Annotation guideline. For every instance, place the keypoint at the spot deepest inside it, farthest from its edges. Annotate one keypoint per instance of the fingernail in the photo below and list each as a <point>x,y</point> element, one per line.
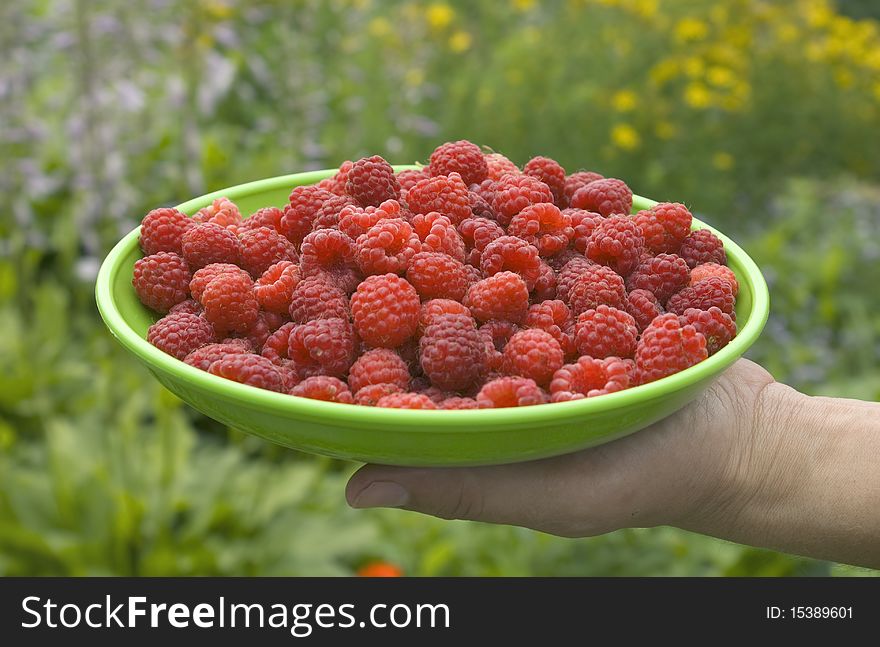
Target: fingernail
<point>382,494</point>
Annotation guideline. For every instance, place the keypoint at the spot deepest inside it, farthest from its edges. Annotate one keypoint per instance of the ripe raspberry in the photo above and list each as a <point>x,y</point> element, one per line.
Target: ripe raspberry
<point>229,302</point>
<point>431,309</point>
<point>222,211</point>
<point>702,295</point>
<point>161,280</point>
<point>336,183</point>
<point>322,347</point>
<point>277,345</point>
<point>544,226</point>
<point>510,392</point>
<point>274,288</point>
<point>180,334</point>
<point>511,254</point>
<point>558,261</point>
<point>208,243</point>
<point>330,211</point>
<point>496,333</point>
<point>371,181</point>
<point>513,193</point>
<point>480,207</point>
<point>408,178</point>
<point>406,401</point>
<point>202,358</point>
<point>569,274</point>
<point>369,395</point>
<point>596,286</point>
<point>323,387</point>
<point>330,253</point>
<point>354,221</point>
<point>378,366</point>
<point>605,332</point>
<point>551,173</point>
<point>261,248</point>
<point>582,223</point>
<point>473,273</point>
<point>445,194</point>
<point>434,393</point>
<point>643,306</point>
<point>304,205</point>
<point>534,354</point>
<point>716,326</point>
<point>437,276</point>
<point>501,296</point>
<point>462,157</point>
<point>577,180</point>
<point>388,246</point>
<point>589,377</point>
<point>438,234</point>
<point>262,329</point>
<point>606,197</point>
<point>249,369</point>
<point>266,217</point>
<point>702,246</point>
<point>409,353</point>
<point>162,230</point>
<point>385,309</point>
<point>662,275</point>
<point>617,243</point>
<point>458,403</point>
<point>316,298</point>
<point>486,190</point>
<point>665,226</point>
<point>545,286</point>
<point>498,165</point>
<point>667,347</point>
<point>707,270</point>
<point>553,317</point>
<point>202,277</point>
<point>451,352</point>
<point>191,306</point>
<point>477,233</point>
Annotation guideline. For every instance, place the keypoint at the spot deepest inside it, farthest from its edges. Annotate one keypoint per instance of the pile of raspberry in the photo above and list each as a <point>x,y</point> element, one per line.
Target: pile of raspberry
<point>467,283</point>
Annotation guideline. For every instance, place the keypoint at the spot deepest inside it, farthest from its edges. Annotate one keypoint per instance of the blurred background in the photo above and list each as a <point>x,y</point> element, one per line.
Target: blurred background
<point>764,117</point>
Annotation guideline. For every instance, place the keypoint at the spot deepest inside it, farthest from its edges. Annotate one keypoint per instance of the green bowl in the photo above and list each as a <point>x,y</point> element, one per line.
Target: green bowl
<point>406,437</point>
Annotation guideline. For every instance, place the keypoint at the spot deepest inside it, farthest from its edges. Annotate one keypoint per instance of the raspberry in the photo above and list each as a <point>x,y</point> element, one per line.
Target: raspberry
<point>605,332</point>
<point>716,326</point>
<point>262,329</point>
<point>435,307</point>
<point>408,178</point>
<point>486,190</point>
<point>462,157</point>
<point>605,197</point>
<point>596,286</point>
<point>498,165</point>
<point>409,353</point>
<point>513,193</point>
<point>438,234</point>
<point>456,402</point>
<point>445,194</point>
<point>330,211</point>
<point>582,223</point>
<point>222,211</point>
<point>702,295</point>
<point>477,233</point>
<point>662,275</point>
<point>316,298</point>
<point>378,366</point>
<point>323,387</point>
<point>388,246</point>
<point>501,296</point>
<point>437,276</point>
<point>534,354</point>
<point>558,261</point>
<point>304,205</point>
<point>336,183</point>
<point>434,393</point>
<point>180,334</point>
<point>569,274</point>
<point>371,181</point>
<point>208,243</point>
<point>616,242</point>
<point>406,401</point>
<point>511,254</point>
<point>162,230</point>
<point>202,277</point>
<point>330,253</point>
<point>589,377</point>
<point>369,395</point>
<point>385,309</point>
<point>480,207</point>
<point>274,288</point>
<point>263,247</point>
<point>553,317</point>
<point>266,217</point>
<point>249,369</point>
<point>191,306</point>
<point>161,280</point>
<point>667,347</point>
<point>575,181</point>
<point>473,273</point>
<point>665,226</point>
<point>545,286</point>
<point>510,392</point>
<point>202,358</point>
<point>496,334</point>
<point>702,246</point>
<point>551,173</point>
<point>321,347</point>
<point>707,270</point>
<point>277,345</point>
<point>229,302</point>
<point>544,226</point>
<point>451,352</point>
<point>643,306</point>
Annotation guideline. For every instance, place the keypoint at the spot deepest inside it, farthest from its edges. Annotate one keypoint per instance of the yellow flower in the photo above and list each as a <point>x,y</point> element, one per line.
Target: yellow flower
<point>787,33</point>
<point>460,41</point>
<point>523,5</point>
<point>722,161</point>
<point>379,27</point>
<point>625,136</point>
<point>696,95</point>
<point>440,15</point>
<point>721,77</point>
<point>690,29</point>
<point>819,13</point>
<point>624,100</point>
<point>645,8</point>
<point>694,67</point>
<point>664,71</point>
<point>665,130</point>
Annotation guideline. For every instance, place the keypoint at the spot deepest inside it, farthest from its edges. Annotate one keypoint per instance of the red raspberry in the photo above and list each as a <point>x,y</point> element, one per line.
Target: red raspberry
<point>378,366</point>
<point>388,246</point>
<point>330,253</point>
<point>435,307</point>
<point>385,309</point>
<point>558,261</point>
<point>510,392</point>
<point>451,352</point>
<point>406,401</point>
<point>437,276</point>
<point>438,234</point>
<point>496,334</point>
<point>445,194</point>
<point>208,243</point>
<point>501,296</point>
<point>480,207</point>
<point>266,217</point>
<point>191,306</point>
<point>462,157</point>
<point>513,193</point>
<point>511,254</point>
<point>589,377</point>
<point>553,317</point>
<point>498,165</point>
<point>249,369</point>
<point>665,226</point>
<point>583,223</point>
<point>545,286</point>
<point>274,288</point>
<point>369,395</point>
<point>222,211</point>
<point>477,233</point>
<point>202,358</point>
<point>229,302</point>
<point>544,226</point>
<point>551,173</point>
<point>643,306</point>
<point>617,243</point>
<point>702,246</point>
<point>330,211</point>
<point>408,178</point>
<point>473,273</point>
<point>261,248</point>
<point>336,183</point>
<point>161,280</point>
<point>316,298</point>
<point>277,345</point>
<point>323,387</point>
<point>355,221</point>
<point>304,205</point>
<point>534,354</point>
<point>180,334</point>
<point>371,181</point>
<point>708,270</point>
<point>434,393</point>
<point>667,347</point>
<point>606,332</point>
<point>456,403</point>
<point>577,180</point>
<point>607,196</point>
<point>321,347</point>
<point>409,353</point>
<point>596,286</point>
<point>202,277</point>
<point>717,327</point>
<point>486,190</point>
<point>662,275</point>
<point>262,329</point>
<point>569,274</point>
<point>702,295</point>
<point>162,230</point>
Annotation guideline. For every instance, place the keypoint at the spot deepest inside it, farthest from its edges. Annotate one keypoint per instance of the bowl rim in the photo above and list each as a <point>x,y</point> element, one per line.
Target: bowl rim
<point>466,421</point>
